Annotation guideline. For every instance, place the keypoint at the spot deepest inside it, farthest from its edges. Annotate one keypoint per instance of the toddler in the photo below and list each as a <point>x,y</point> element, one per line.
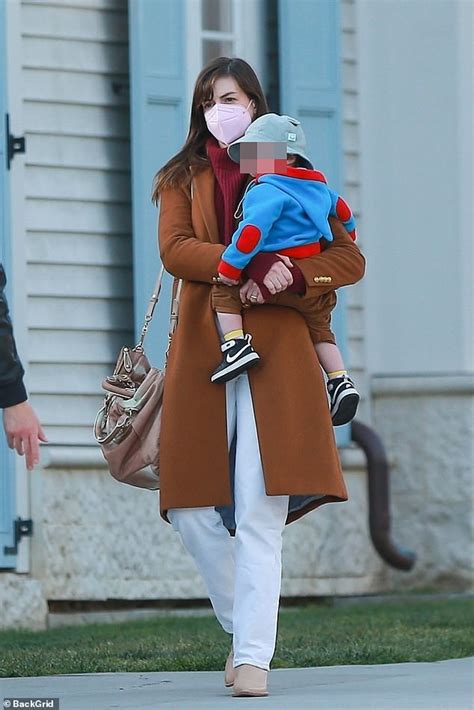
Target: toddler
<point>285,211</point>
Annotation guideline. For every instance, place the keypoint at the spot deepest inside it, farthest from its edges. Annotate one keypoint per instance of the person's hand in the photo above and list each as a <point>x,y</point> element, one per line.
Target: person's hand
<point>279,276</point>
<point>250,293</point>
<point>24,432</point>
<point>228,282</point>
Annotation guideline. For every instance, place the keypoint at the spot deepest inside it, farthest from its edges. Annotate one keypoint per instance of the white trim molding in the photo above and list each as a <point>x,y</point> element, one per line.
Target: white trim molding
<point>77,457</point>
<point>90,457</point>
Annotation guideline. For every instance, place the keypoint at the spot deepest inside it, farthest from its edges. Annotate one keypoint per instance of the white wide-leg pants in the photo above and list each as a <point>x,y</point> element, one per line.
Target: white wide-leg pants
<point>242,575</point>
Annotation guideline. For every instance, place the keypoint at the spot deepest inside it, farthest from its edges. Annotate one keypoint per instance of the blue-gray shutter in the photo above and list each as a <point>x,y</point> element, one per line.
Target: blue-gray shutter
<point>310,90</point>
<point>7,471</point>
<point>158,121</point>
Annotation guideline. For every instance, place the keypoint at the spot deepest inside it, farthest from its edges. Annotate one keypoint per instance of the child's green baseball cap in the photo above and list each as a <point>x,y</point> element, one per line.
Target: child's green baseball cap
<point>272,128</point>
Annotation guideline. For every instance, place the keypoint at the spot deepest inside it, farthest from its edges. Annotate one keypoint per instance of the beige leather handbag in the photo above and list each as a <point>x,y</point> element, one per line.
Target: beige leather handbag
<point>127,427</point>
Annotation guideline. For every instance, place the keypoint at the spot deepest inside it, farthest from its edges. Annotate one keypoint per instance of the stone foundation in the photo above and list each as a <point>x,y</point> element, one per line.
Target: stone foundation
<point>22,602</point>
<point>96,539</point>
<point>427,425</point>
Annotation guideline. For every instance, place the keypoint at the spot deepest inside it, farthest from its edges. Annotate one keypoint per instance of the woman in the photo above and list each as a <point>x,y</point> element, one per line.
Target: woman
<point>275,420</point>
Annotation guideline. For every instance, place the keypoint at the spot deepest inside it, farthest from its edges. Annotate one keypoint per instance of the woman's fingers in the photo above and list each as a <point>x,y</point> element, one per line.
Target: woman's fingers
<point>256,295</point>
<point>250,293</point>
<point>275,283</point>
<point>268,282</point>
<point>278,278</point>
<point>281,282</point>
<point>286,260</point>
<point>246,289</point>
<point>284,273</point>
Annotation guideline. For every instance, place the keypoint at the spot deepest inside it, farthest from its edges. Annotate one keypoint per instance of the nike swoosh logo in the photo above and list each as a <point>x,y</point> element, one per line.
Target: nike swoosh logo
<point>231,358</point>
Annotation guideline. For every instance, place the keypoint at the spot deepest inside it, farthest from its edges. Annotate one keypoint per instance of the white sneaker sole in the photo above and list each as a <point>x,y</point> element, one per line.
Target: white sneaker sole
<point>235,368</point>
<point>345,407</point>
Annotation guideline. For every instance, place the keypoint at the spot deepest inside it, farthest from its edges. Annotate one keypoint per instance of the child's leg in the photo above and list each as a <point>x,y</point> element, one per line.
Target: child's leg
<point>344,397</point>
<point>231,325</point>
<point>237,351</point>
<point>225,301</point>
<point>330,358</point>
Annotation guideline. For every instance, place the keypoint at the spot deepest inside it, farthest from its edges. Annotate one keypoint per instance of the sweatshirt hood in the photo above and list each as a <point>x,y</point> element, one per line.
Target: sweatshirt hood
<point>309,189</point>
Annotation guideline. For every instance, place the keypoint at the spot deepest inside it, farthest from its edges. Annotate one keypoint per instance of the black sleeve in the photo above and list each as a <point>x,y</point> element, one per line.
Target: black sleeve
<point>12,389</point>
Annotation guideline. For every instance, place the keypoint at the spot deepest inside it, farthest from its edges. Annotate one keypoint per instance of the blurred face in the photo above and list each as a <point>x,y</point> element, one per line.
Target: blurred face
<point>260,158</point>
<point>263,157</point>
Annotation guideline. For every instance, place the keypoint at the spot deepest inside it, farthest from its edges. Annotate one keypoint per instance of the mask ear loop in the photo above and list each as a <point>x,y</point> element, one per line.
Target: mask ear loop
<point>239,211</point>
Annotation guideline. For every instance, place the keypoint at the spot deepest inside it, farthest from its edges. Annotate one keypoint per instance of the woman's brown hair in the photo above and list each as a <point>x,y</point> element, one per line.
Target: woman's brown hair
<point>193,154</point>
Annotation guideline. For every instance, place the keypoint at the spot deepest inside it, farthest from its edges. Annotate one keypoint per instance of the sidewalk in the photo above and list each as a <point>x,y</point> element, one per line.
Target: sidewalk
<point>444,685</point>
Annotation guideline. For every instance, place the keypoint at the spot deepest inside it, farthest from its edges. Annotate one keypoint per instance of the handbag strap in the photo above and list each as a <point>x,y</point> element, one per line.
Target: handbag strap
<point>175,296</point>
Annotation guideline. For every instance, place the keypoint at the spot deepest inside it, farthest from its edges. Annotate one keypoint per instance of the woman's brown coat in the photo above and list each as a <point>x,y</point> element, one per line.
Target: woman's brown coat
<point>297,445</point>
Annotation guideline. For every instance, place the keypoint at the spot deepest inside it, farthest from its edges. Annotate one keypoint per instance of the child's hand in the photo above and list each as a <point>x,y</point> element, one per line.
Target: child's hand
<point>227,281</point>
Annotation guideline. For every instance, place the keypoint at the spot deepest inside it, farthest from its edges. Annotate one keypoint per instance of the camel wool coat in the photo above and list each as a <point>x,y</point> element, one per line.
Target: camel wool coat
<point>296,438</point>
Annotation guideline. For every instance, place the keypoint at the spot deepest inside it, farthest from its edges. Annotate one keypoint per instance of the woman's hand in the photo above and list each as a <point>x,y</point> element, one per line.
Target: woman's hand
<point>250,293</point>
<point>279,276</point>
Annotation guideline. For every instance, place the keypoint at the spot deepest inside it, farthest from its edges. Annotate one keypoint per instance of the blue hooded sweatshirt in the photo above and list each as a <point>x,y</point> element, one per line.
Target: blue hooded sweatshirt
<point>287,214</point>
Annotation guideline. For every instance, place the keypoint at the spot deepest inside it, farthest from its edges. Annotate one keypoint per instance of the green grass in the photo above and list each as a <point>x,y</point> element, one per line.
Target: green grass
<point>310,636</point>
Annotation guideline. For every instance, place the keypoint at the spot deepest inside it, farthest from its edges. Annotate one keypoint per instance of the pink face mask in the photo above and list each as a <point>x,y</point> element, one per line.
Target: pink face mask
<point>227,122</point>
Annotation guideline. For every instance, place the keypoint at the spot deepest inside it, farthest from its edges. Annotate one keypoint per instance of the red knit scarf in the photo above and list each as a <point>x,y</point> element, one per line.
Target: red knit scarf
<point>228,188</point>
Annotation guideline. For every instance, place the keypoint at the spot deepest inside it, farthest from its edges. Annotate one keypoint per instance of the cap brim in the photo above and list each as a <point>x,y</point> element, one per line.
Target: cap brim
<point>233,151</point>
<point>301,155</point>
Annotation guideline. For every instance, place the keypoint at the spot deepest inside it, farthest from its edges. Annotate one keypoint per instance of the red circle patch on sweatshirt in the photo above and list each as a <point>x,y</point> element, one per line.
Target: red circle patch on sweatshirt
<point>343,210</point>
<point>248,239</point>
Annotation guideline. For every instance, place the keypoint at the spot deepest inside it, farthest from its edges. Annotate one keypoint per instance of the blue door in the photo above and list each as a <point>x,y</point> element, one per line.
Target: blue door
<point>7,471</point>
<point>310,90</point>
<point>158,119</point>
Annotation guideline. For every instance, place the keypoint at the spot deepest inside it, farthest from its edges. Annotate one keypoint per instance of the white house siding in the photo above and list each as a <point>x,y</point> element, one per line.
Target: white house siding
<point>417,168</point>
<point>351,173</point>
<point>77,204</point>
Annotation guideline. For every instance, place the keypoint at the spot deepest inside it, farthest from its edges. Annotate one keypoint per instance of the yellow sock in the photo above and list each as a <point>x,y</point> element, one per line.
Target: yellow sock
<point>336,373</point>
<point>239,333</point>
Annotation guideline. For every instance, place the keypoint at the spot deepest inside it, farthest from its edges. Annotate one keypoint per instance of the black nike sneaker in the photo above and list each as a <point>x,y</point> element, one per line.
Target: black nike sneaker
<point>239,356</point>
<point>344,399</point>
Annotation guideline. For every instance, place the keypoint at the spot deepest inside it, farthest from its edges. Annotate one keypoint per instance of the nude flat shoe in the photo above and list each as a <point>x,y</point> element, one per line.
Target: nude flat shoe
<point>229,674</point>
<point>250,681</point>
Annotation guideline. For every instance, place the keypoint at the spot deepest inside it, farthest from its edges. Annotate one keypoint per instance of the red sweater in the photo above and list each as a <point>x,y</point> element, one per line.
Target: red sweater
<point>229,185</point>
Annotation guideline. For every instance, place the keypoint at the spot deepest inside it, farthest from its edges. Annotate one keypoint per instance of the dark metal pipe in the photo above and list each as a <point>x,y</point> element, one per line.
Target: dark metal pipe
<point>379,498</point>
